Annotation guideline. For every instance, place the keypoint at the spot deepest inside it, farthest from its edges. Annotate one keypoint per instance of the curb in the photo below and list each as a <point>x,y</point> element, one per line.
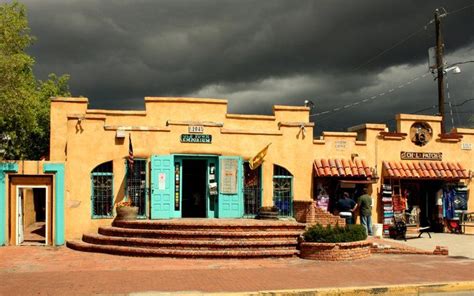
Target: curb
<point>412,289</point>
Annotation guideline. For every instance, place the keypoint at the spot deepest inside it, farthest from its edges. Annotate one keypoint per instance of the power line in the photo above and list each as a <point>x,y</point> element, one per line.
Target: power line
<point>390,48</point>
<point>460,9</point>
<point>368,99</point>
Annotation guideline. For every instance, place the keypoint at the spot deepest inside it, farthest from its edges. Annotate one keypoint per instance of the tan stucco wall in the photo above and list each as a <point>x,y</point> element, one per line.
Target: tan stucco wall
<point>85,138</point>
<point>88,138</point>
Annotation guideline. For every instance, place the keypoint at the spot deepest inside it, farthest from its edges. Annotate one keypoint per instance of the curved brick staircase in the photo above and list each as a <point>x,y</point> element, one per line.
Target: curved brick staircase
<point>195,238</point>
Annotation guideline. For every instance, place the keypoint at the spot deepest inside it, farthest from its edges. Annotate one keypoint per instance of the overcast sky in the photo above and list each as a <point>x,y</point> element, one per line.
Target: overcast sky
<point>259,53</point>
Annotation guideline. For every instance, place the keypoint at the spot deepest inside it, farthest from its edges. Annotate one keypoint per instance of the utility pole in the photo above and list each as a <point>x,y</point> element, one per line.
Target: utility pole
<point>440,67</point>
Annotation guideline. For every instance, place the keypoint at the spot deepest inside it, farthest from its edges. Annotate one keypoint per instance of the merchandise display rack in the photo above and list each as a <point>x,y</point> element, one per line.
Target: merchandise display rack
<point>387,208</point>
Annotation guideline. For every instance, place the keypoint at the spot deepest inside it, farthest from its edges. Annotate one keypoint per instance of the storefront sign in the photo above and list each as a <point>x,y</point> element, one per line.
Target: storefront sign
<point>228,176</point>
<point>466,146</point>
<point>194,138</point>
<point>421,155</point>
<point>341,145</point>
<point>195,129</point>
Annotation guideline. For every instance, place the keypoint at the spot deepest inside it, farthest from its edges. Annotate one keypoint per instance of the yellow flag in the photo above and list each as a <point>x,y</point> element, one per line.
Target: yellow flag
<point>257,160</point>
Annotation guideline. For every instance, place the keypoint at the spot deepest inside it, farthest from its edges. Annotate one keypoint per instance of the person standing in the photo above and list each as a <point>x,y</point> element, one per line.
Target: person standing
<point>365,205</point>
<point>346,207</point>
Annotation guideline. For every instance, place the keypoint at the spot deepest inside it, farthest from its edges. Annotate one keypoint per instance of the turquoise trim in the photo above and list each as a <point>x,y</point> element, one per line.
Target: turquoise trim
<point>232,205</point>
<point>5,167</point>
<point>58,170</point>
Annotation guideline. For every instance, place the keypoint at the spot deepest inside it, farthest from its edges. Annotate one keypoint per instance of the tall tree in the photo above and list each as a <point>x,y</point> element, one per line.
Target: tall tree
<point>24,101</point>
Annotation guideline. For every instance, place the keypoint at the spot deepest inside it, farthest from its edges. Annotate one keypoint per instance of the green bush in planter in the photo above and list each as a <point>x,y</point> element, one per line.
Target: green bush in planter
<point>334,234</point>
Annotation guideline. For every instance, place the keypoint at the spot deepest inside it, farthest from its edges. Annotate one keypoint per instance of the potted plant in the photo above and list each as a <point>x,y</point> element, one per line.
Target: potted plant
<point>126,210</point>
<point>335,243</point>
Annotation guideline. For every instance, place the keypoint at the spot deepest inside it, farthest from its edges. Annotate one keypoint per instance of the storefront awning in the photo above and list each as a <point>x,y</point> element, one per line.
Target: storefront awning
<point>342,168</point>
<point>424,170</point>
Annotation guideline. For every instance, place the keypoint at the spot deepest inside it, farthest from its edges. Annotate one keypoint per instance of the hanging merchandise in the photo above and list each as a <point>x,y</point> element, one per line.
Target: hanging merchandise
<point>448,203</point>
<point>212,180</point>
<point>387,208</point>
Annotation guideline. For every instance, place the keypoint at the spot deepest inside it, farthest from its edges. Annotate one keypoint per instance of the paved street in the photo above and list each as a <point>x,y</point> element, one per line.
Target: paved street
<point>60,271</point>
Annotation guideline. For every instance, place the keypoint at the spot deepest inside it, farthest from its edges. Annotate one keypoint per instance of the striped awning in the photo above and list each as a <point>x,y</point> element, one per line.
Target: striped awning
<point>424,170</point>
<point>342,168</point>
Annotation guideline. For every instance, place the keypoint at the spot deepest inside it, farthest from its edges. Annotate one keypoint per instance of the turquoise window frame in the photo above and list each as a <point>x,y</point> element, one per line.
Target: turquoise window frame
<point>94,216</point>
<point>145,216</point>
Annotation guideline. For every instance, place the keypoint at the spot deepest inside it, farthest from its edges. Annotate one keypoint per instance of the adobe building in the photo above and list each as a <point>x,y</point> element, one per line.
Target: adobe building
<point>191,160</point>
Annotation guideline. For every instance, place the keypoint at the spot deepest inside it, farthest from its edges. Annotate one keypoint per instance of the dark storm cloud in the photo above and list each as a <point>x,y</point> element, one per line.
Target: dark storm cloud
<point>268,52</point>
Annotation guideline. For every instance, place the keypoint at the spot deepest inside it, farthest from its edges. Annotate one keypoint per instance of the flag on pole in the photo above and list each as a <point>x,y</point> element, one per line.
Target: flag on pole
<point>257,160</point>
<point>130,153</point>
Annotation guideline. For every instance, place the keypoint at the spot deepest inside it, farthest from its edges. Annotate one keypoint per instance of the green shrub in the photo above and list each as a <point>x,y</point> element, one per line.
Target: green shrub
<point>335,234</point>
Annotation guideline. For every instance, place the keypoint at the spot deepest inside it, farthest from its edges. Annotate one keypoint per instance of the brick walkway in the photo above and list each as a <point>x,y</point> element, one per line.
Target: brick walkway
<point>61,271</point>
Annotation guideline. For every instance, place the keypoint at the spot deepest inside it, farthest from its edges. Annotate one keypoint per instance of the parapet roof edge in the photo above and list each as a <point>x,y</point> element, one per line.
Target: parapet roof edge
<point>70,99</point>
<point>116,112</point>
<point>186,100</point>
<point>250,116</point>
<point>416,117</point>
<point>339,134</point>
<point>289,108</point>
<point>372,126</point>
<point>464,131</point>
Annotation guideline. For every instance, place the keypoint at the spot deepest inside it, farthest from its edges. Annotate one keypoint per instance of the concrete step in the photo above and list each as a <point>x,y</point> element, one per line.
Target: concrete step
<point>177,253</point>
<point>225,244</point>
<point>196,234</point>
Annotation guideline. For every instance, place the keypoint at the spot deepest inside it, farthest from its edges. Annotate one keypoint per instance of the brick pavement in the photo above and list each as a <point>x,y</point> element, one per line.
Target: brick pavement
<point>60,271</point>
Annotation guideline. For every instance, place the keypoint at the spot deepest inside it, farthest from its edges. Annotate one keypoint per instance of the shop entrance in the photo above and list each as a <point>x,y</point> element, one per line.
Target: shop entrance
<point>423,202</point>
<point>194,189</point>
<point>32,210</point>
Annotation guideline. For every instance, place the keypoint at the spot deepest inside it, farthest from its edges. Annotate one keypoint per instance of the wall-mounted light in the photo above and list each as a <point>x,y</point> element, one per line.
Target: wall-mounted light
<point>354,155</point>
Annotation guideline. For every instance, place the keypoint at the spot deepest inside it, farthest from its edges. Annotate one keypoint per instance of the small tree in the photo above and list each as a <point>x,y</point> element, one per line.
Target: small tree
<point>24,101</point>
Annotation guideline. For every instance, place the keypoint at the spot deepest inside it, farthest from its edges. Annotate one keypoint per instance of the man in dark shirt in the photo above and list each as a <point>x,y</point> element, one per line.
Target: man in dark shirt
<point>365,205</point>
<point>346,206</point>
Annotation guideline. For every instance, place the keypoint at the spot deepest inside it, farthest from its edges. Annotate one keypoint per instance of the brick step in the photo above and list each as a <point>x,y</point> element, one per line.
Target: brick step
<point>211,225</point>
<point>190,244</point>
<point>196,234</point>
<point>176,253</point>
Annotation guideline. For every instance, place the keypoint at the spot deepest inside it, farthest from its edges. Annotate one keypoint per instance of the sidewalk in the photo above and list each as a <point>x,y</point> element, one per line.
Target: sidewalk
<point>459,245</point>
<point>61,271</point>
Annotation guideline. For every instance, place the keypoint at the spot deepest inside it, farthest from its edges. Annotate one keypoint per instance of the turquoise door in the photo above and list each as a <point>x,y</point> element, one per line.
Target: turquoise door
<point>162,189</point>
<point>231,200</point>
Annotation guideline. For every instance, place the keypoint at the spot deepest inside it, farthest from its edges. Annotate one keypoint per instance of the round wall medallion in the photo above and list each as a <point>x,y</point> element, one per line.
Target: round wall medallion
<point>421,133</point>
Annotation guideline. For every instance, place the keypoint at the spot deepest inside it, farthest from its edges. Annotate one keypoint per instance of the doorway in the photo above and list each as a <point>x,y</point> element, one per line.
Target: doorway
<point>194,188</point>
<point>32,213</point>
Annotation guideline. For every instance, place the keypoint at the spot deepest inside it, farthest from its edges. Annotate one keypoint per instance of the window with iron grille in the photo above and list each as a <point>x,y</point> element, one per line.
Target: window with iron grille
<point>283,190</point>
<point>102,179</point>
<point>252,190</point>
<point>136,185</point>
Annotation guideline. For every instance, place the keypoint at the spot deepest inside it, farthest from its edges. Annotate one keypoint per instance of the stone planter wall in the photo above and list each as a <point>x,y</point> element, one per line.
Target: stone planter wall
<point>335,251</point>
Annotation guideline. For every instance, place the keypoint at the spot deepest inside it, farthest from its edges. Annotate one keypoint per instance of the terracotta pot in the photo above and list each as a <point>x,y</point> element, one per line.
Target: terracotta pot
<point>127,213</point>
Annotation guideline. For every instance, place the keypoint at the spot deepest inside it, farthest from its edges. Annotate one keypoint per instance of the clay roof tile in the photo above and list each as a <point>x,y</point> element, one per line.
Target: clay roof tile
<point>324,163</point>
<point>317,163</point>
<point>345,163</point>
<point>327,171</point>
